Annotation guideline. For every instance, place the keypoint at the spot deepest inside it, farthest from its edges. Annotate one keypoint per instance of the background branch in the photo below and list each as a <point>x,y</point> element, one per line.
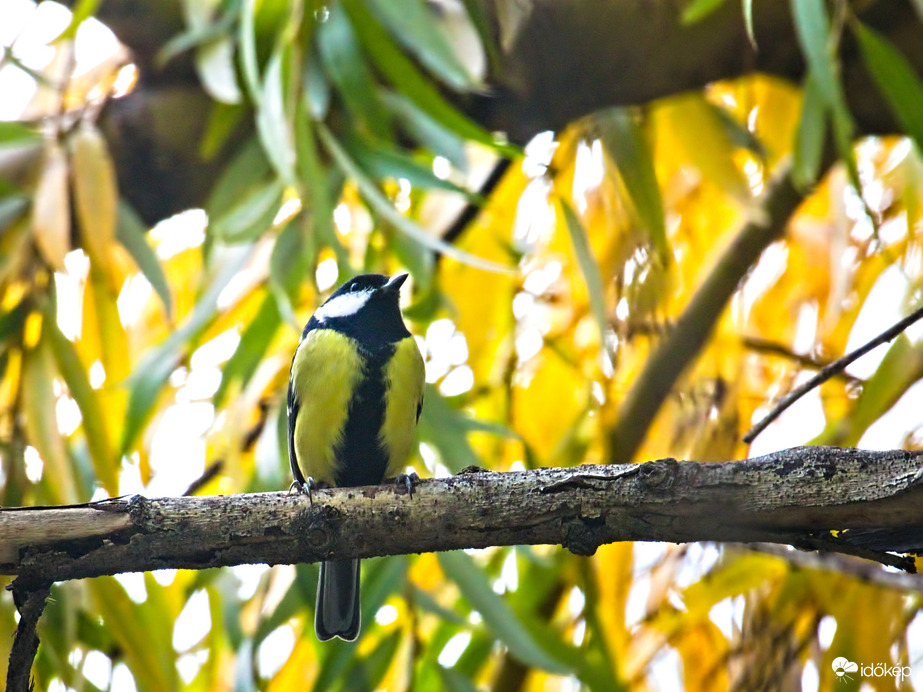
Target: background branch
<point>687,337</point>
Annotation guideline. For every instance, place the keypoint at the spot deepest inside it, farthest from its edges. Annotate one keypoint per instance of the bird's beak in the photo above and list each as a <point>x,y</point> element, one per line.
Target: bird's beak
<point>394,283</point>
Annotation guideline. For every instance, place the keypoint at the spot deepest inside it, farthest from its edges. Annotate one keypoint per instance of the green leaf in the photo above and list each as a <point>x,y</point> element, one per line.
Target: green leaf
<point>446,428</point>
<point>247,41</point>
<point>135,627</point>
<point>83,10</point>
<point>814,36</point>
<point>13,321</point>
<point>248,170</point>
<point>251,216</point>
<point>289,263</point>
<point>41,424</point>
<point>414,24</point>
<point>13,133</point>
<point>918,6</point>
<point>624,141</point>
<point>896,79</point>
<point>12,208</point>
<point>813,30</point>
<point>366,672</point>
<point>386,162</point>
<point>747,6</point>
<point>901,368</point>
<point>405,77</point>
<point>589,268</point>
<point>72,370</point>
<point>453,681</point>
<point>383,207</point>
<point>500,619</point>
<point>809,140</point>
<point>697,10</point>
<point>131,232</point>
<point>254,341</point>
<point>426,130</point>
<point>316,89</point>
<point>194,37</point>
<point>482,23</point>
<point>346,66</point>
<point>273,123</point>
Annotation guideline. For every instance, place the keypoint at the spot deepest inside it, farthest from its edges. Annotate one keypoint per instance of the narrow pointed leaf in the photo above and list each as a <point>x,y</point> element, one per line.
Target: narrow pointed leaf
<point>132,234</point>
<point>809,140</point>
<point>95,191</point>
<point>404,75</point>
<point>625,143</point>
<point>382,206</point>
<point>696,10</point>
<point>414,24</point>
<point>51,219</point>
<point>345,64</point>
<point>75,377</point>
<point>501,620</point>
<point>589,268</point>
<point>41,425</point>
<point>896,79</point>
<point>254,341</point>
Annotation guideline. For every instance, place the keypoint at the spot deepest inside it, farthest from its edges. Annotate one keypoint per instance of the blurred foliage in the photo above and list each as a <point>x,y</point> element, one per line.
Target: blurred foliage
<point>132,358</point>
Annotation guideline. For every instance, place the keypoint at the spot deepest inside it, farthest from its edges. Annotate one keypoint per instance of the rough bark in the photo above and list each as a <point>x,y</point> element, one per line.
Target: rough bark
<point>792,497</point>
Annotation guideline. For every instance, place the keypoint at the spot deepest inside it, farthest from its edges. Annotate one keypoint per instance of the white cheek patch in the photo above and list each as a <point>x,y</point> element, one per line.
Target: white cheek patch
<point>343,306</point>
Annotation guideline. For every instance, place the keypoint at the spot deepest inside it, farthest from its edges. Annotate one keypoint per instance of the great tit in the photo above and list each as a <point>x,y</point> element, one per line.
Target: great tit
<point>354,398</point>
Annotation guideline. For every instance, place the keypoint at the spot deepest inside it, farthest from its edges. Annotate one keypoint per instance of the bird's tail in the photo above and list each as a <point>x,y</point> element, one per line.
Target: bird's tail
<point>337,613</point>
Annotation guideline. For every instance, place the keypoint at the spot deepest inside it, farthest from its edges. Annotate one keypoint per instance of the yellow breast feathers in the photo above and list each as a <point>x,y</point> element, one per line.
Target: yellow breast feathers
<point>325,372</point>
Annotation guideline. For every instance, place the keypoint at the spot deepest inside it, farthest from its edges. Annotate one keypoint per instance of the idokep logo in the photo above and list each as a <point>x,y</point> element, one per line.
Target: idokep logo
<point>845,669</point>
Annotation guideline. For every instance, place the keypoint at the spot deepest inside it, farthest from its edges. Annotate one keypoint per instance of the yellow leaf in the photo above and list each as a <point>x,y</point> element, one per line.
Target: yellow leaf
<point>95,191</point>
<point>690,126</point>
<point>299,670</point>
<point>51,217</point>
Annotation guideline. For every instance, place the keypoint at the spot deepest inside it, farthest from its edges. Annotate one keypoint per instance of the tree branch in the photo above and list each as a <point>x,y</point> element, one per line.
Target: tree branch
<point>797,496</point>
<point>29,598</point>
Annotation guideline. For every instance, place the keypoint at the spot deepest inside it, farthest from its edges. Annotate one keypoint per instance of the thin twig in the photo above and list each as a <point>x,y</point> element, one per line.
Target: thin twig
<point>864,570</point>
<point>772,348</point>
<point>829,371</point>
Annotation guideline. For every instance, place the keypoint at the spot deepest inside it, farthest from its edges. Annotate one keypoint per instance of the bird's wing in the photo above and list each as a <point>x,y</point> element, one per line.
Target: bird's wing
<point>405,376</point>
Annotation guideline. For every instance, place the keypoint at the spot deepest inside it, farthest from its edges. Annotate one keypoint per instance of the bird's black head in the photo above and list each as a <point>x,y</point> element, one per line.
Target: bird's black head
<point>366,308</point>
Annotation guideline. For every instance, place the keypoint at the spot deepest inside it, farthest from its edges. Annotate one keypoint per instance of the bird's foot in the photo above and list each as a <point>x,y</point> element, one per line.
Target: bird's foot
<point>408,480</point>
<point>306,487</point>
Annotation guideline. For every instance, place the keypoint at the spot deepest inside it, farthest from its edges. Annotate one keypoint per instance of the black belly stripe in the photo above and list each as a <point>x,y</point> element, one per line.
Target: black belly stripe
<point>361,459</point>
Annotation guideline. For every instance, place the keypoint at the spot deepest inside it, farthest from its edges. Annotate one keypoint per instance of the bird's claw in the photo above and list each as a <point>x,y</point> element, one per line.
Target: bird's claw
<point>306,488</point>
<point>408,480</point>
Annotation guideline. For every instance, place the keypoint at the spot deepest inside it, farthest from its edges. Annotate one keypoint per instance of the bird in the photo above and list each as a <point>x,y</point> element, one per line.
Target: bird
<point>354,399</point>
